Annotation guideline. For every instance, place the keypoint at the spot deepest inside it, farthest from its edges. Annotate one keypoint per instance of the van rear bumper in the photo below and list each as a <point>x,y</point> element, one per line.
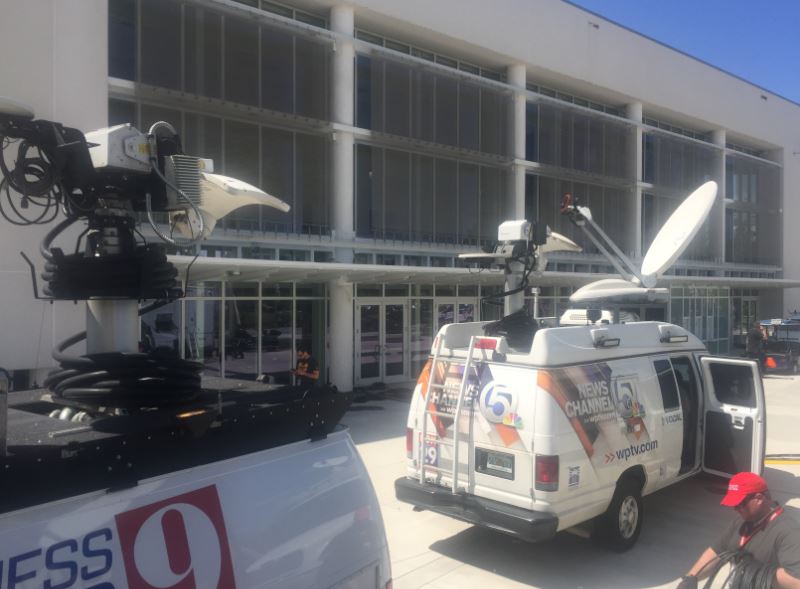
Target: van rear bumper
<point>531,526</point>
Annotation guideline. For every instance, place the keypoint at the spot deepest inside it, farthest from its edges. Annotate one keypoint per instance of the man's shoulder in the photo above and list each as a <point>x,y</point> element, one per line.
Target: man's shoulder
<point>788,524</point>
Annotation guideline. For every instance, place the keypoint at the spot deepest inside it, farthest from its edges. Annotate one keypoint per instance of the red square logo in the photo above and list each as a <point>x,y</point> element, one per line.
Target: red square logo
<point>177,543</point>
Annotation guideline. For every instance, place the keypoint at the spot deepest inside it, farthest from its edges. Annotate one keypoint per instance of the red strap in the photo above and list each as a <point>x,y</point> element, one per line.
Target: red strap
<point>745,539</point>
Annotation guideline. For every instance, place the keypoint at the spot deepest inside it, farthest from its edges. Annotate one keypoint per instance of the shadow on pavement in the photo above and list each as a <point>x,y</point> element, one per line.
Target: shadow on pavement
<point>680,522</point>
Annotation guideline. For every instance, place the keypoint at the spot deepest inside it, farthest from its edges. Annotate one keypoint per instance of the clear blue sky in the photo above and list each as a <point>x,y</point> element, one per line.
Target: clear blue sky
<point>755,40</point>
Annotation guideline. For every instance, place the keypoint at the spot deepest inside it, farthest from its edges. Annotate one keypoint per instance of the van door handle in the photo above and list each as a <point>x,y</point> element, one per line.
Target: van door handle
<point>737,421</point>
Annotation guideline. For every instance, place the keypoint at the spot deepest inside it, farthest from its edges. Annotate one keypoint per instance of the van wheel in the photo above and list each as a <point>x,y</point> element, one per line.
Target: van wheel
<point>618,528</point>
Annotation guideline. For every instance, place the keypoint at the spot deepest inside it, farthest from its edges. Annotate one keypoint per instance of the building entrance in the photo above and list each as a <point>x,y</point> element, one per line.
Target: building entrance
<point>381,341</point>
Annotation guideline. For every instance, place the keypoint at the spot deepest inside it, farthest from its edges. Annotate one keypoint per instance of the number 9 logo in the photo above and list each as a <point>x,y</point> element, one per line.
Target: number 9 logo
<point>431,454</point>
<point>496,402</point>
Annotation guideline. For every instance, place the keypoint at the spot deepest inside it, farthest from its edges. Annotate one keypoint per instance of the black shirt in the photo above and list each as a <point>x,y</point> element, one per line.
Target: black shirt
<point>306,365</point>
<point>777,544</point>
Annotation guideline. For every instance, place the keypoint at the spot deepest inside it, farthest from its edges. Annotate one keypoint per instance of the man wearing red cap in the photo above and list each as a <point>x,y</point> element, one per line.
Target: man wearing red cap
<point>766,540</point>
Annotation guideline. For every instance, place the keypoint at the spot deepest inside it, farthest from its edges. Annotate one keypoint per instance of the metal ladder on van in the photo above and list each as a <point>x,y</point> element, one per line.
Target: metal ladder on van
<point>432,413</point>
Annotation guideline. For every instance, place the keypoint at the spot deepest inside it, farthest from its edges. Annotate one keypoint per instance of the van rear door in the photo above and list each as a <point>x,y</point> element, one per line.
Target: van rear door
<point>735,418</point>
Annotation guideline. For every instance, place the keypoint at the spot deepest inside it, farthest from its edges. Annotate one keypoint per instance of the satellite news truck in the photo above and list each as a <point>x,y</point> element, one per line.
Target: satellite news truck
<point>130,469</point>
<point>531,431</point>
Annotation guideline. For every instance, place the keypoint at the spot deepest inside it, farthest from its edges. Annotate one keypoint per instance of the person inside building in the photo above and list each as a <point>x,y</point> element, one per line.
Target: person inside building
<point>762,544</point>
<point>306,370</point>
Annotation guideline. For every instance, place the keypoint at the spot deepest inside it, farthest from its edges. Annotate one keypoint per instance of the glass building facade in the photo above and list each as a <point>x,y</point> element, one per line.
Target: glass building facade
<point>436,164</point>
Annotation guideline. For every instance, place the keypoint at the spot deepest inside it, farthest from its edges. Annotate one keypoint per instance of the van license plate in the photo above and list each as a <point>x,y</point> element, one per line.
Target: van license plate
<point>494,463</point>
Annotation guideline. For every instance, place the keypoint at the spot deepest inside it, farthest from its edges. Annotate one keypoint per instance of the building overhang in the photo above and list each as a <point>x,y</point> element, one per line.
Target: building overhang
<point>205,269</point>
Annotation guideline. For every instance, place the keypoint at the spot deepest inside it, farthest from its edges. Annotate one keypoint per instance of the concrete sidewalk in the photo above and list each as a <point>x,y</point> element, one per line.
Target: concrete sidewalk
<point>437,552</point>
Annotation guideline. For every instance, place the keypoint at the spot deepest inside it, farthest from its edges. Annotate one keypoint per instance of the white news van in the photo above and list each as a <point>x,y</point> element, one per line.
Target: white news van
<point>530,430</point>
<point>581,426</point>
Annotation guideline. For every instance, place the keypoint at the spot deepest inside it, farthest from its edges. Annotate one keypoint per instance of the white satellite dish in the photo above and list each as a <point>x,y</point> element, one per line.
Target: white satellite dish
<point>678,232</point>
<point>14,108</point>
<point>618,290</point>
<point>219,196</point>
<point>671,241</point>
<point>558,243</point>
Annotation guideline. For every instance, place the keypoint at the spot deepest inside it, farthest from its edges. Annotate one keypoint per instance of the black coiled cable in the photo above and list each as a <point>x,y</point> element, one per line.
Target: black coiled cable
<point>144,273</point>
<point>745,572</point>
<point>123,380</point>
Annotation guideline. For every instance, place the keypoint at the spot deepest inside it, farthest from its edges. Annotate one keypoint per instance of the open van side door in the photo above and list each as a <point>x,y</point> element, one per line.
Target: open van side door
<point>735,416</point>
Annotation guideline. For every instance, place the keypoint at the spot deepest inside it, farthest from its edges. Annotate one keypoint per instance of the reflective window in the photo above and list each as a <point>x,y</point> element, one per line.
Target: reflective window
<point>421,323</point>
<point>203,137</point>
<point>310,330</point>
<point>753,192</point>
<point>202,335</point>
<point>311,214</point>
<point>121,112</point>
<point>666,383</point>
<point>311,84</point>
<point>161,330</point>
<point>241,339</point>
<point>400,99</point>
<point>277,55</point>
<point>197,50</point>
<point>733,384</point>
<point>122,39</point>
<point>241,61</point>
<point>276,340</point>
<point>202,63</point>
<point>161,54</point>
<point>574,140</point>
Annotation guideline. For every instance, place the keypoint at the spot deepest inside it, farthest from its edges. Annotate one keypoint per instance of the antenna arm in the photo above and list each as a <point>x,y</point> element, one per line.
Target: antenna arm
<point>603,243</point>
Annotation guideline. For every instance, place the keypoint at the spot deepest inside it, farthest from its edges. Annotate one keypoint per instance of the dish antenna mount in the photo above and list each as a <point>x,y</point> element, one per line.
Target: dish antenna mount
<point>638,285</point>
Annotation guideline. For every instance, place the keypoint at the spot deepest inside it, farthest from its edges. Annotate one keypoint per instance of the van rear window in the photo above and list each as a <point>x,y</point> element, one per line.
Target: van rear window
<point>666,382</point>
<point>733,385</point>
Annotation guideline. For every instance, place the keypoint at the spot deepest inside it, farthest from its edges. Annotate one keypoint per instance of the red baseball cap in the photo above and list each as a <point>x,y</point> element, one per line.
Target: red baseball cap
<point>742,485</point>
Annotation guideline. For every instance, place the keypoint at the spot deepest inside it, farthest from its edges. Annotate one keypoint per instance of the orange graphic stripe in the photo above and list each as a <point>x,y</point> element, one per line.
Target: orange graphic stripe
<point>424,378</point>
<point>546,381</point>
<point>508,434</point>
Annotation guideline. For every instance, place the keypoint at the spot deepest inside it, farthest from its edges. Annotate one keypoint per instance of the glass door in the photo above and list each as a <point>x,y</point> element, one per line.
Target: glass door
<point>462,310</point>
<point>381,342</point>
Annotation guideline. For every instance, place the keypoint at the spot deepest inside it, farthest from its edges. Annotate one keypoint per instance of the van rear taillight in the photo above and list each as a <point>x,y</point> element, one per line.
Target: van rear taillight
<point>409,442</point>
<point>546,473</point>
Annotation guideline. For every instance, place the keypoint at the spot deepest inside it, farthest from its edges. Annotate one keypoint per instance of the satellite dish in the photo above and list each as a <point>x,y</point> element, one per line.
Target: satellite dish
<point>558,243</point>
<point>678,232</point>
<point>15,109</point>
<point>672,240</point>
<point>618,290</point>
<point>502,252</point>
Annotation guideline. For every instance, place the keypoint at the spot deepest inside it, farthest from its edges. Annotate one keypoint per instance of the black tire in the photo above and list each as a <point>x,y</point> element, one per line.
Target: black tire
<point>618,528</point>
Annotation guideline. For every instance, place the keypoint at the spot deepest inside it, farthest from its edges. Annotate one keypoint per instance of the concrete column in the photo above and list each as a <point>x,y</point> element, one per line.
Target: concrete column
<point>340,335</point>
<point>517,76</point>
<point>634,112</point>
<point>719,137</point>
<point>343,66</point>
<point>342,104</point>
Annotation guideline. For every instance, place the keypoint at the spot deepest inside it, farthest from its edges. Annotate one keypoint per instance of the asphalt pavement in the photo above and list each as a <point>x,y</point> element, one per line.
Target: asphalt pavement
<point>437,552</point>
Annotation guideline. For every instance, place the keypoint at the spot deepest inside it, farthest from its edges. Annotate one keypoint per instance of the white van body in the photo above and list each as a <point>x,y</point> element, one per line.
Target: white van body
<point>301,515</point>
<point>576,428</point>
